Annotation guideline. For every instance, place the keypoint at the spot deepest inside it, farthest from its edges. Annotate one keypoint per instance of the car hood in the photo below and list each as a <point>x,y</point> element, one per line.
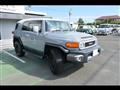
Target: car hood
<point>69,36</point>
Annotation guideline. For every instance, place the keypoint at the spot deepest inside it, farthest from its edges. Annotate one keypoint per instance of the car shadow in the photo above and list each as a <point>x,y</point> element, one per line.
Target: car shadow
<point>37,67</point>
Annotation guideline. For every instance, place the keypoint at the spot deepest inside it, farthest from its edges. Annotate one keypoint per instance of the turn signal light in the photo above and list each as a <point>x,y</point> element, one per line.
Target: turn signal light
<point>72,44</point>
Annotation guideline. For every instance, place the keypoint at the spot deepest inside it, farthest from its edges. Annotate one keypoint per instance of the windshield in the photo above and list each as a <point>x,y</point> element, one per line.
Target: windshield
<point>57,26</point>
<point>104,26</point>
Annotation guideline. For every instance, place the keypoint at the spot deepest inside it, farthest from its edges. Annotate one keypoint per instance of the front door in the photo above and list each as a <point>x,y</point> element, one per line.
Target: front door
<point>31,39</point>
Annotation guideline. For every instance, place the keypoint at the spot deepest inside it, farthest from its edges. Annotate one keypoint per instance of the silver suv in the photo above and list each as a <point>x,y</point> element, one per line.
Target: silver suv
<point>55,41</point>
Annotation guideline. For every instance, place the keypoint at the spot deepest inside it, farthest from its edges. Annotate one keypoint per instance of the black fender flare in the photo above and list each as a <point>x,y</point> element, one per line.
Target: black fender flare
<point>65,50</point>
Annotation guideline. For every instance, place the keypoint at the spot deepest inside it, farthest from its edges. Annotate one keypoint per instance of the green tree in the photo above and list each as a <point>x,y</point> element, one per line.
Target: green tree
<point>80,21</point>
<point>115,22</point>
<point>98,22</point>
<point>107,21</point>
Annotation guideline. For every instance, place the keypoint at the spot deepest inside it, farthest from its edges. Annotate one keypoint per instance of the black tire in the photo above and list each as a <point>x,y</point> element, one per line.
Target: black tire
<point>55,60</point>
<point>19,49</point>
<point>81,64</point>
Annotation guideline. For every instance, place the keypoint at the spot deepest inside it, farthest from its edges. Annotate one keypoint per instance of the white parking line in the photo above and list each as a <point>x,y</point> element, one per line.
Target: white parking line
<point>14,57</point>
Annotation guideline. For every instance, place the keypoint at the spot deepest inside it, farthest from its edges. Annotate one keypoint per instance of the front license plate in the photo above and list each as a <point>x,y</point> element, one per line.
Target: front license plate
<point>95,52</point>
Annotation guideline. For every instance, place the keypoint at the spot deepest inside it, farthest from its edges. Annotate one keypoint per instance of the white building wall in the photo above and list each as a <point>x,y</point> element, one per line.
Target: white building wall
<point>8,25</point>
<point>6,28</point>
<point>13,8</point>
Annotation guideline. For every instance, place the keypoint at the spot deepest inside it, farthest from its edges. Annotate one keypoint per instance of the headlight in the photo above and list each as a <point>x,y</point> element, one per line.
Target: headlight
<point>96,42</point>
<point>72,44</point>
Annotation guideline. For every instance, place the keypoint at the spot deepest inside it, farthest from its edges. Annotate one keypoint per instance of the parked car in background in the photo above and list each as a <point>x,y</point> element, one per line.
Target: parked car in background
<point>116,28</point>
<point>104,29</point>
<point>91,27</point>
<point>83,30</point>
<point>94,29</point>
<point>119,32</point>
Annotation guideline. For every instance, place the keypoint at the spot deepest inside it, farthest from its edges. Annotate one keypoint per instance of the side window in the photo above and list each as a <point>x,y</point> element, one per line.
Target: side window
<point>28,26</point>
<point>34,24</point>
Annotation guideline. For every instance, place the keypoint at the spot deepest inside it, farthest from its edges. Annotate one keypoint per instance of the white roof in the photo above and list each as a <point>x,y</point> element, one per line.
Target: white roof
<point>23,20</point>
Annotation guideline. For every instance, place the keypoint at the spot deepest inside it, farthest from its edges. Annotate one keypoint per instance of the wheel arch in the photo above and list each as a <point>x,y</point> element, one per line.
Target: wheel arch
<point>49,45</point>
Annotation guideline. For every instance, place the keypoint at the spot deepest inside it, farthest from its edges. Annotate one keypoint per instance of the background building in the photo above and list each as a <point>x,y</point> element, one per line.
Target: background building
<point>108,19</point>
<point>10,14</point>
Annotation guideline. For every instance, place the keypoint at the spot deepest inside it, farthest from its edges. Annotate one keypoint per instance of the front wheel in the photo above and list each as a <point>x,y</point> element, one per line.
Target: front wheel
<point>55,60</point>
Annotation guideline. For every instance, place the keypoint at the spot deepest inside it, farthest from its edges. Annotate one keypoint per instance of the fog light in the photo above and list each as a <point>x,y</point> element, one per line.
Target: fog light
<point>79,58</point>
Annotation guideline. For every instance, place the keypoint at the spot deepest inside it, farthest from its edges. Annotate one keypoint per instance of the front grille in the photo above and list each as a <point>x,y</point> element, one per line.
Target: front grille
<point>89,43</point>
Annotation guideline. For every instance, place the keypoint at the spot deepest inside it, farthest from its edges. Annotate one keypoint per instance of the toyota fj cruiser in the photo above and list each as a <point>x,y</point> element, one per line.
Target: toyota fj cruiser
<point>55,41</point>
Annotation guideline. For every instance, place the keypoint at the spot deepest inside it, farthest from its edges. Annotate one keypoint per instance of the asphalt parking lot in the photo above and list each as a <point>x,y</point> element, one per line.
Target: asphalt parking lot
<point>32,70</point>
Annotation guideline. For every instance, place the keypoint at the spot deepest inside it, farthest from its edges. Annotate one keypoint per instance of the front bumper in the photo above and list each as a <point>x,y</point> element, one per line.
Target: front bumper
<point>83,55</point>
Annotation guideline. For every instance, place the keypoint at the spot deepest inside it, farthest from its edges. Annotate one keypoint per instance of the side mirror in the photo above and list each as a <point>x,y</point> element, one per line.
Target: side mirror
<point>36,29</point>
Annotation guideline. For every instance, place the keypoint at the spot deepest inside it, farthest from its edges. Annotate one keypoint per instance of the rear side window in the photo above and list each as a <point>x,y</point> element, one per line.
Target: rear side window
<point>16,26</point>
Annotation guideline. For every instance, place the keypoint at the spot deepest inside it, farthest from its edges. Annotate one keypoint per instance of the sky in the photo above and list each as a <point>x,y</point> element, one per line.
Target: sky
<point>87,12</point>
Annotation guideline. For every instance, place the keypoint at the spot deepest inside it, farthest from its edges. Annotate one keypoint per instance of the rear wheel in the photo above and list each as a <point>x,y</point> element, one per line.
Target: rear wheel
<point>55,60</point>
<point>19,49</point>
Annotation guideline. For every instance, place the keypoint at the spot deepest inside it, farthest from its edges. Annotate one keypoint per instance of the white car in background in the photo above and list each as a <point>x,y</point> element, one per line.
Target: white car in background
<point>104,29</point>
<point>118,29</point>
<point>119,32</point>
